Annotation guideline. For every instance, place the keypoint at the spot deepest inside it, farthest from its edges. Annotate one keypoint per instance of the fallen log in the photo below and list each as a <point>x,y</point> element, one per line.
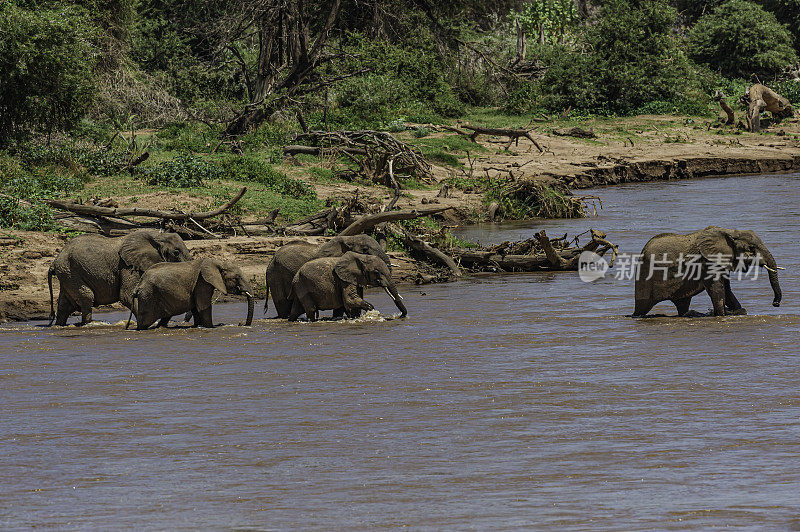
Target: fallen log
<point>294,149</point>
<point>93,210</point>
<point>368,221</point>
<point>513,134</point>
<point>576,132</point>
<point>720,97</point>
<point>547,258</point>
<point>417,244</point>
<point>760,98</point>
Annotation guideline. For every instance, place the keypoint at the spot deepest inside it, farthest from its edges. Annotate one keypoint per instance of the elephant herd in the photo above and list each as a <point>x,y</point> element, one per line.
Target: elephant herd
<point>153,274</point>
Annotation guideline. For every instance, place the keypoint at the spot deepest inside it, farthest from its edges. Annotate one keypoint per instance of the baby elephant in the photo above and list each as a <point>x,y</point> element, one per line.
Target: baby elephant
<point>169,289</point>
<point>334,282</point>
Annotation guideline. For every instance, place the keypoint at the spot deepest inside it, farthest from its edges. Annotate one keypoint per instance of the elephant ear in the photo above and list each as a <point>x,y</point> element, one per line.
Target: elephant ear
<point>350,269</point>
<point>714,244</point>
<point>140,250</point>
<point>210,271</point>
<point>335,247</point>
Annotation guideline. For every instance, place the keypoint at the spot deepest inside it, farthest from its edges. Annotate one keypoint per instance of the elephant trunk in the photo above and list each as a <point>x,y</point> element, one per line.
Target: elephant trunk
<point>772,270</point>
<point>397,298</point>
<point>250,307</point>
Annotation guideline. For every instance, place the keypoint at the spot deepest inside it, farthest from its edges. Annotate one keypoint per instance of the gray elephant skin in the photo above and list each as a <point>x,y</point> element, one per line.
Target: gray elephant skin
<point>331,283</point>
<point>289,258</point>
<point>96,270</point>
<point>717,250</point>
<point>169,289</point>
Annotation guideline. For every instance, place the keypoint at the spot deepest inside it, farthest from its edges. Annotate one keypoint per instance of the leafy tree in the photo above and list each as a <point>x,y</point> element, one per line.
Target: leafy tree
<point>46,60</point>
<point>629,57</point>
<point>739,38</point>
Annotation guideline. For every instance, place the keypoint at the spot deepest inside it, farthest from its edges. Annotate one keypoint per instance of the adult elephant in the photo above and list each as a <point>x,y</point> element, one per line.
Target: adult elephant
<point>96,270</point>
<point>335,282</point>
<point>677,267</point>
<point>169,289</point>
<point>288,259</point>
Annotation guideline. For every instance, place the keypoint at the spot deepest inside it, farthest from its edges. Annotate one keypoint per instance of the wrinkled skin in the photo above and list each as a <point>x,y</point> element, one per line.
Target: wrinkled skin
<point>96,270</point>
<point>169,289</point>
<point>707,243</point>
<point>335,282</point>
<point>288,260</point>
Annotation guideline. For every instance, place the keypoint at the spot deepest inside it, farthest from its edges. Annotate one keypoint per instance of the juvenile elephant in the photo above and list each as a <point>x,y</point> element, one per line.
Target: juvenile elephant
<point>334,282</point>
<point>714,252</point>
<point>96,270</point>
<point>288,260</point>
<point>168,289</point>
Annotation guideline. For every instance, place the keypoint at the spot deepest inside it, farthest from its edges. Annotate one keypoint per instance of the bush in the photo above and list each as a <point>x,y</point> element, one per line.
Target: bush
<point>629,58</point>
<point>33,217</point>
<point>403,80</point>
<point>185,170</point>
<point>46,69</point>
<point>739,38</point>
<point>251,169</point>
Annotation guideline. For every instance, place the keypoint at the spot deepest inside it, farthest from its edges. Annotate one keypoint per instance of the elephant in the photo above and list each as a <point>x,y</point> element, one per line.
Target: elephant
<point>334,282</point>
<point>169,289</point>
<point>289,258</point>
<point>715,252</point>
<point>96,270</point>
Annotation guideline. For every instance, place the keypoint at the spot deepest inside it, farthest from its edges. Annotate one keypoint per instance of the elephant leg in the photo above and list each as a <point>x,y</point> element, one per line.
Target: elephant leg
<point>283,303</point>
<point>163,322</point>
<point>205,318</point>
<point>309,307</point>
<point>64,309</point>
<point>682,305</point>
<point>85,302</point>
<point>642,307</point>
<point>731,303</point>
<point>338,313</point>
<point>716,291</point>
<point>297,309</point>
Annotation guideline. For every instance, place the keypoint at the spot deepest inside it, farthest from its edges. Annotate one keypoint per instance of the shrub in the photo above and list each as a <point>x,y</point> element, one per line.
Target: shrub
<point>403,80</point>
<point>33,217</point>
<point>185,170</point>
<point>628,58</point>
<point>46,68</point>
<point>251,169</point>
<point>739,38</point>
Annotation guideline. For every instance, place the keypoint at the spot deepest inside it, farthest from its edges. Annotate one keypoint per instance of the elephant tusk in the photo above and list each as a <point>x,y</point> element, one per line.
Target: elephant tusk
<point>248,294</point>
<point>386,288</point>
<point>773,271</point>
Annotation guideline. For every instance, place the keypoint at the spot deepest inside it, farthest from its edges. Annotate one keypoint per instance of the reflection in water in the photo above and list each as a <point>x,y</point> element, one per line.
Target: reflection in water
<point>500,402</point>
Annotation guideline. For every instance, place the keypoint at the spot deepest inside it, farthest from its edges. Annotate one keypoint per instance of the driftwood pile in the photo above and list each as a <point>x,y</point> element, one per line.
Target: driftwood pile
<point>538,254</point>
<point>103,216</point>
<point>377,154</point>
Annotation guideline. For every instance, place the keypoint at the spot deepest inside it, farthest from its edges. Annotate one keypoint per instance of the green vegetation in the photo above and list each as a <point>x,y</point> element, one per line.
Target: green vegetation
<point>740,38</point>
<point>212,91</point>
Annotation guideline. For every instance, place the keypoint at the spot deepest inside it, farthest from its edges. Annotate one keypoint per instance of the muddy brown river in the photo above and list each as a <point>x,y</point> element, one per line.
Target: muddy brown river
<point>502,402</point>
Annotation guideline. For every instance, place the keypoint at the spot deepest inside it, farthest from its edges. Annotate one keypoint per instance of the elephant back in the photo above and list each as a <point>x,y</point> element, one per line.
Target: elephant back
<point>289,258</point>
<point>315,276</point>
<point>93,261</point>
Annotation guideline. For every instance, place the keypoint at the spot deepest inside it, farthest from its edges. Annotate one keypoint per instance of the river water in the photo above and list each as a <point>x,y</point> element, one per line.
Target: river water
<point>502,402</point>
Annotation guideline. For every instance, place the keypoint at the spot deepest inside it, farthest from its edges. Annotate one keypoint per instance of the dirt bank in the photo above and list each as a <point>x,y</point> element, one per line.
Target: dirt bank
<point>643,148</point>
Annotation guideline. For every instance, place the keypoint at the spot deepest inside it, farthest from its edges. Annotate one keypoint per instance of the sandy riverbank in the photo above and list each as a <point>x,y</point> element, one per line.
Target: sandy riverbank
<point>636,149</point>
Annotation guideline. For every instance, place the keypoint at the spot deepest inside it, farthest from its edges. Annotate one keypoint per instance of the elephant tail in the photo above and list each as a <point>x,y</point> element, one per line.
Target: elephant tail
<point>134,303</point>
<point>266,282</point>
<point>50,285</point>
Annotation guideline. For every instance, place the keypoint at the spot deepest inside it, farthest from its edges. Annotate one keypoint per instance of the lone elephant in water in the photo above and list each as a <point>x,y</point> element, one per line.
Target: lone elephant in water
<point>96,270</point>
<point>167,290</point>
<point>677,267</point>
<point>289,258</point>
<point>335,282</point>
